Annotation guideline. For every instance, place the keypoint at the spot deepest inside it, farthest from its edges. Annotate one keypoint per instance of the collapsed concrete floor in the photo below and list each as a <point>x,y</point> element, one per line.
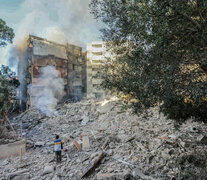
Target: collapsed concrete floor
<point>136,147</point>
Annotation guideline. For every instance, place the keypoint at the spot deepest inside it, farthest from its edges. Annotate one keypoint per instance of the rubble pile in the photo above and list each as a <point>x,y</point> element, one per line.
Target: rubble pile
<point>102,140</point>
<point>7,136</point>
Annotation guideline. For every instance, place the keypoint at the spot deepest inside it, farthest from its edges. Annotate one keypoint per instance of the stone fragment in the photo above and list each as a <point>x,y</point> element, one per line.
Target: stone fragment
<point>172,136</point>
<point>39,143</point>
<point>93,165</point>
<point>65,138</point>
<point>5,162</point>
<point>113,176</point>
<point>93,155</point>
<point>183,144</point>
<point>202,139</point>
<point>17,173</point>
<point>12,149</point>
<point>48,170</point>
<point>137,173</point>
<point>85,120</point>
<point>105,108</point>
<point>106,176</point>
<point>86,143</point>
<point>110,152</point>
<point>21,177</point>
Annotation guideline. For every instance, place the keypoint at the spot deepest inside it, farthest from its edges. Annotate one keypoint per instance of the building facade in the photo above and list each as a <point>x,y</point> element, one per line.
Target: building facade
<point>80,71</point>
<point>67,59</point>
<point>96,56</point>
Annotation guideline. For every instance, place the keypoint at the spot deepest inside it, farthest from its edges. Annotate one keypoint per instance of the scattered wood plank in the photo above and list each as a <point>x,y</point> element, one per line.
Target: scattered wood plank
<point>91,167</point>
<point>10,124</point>
<point>77,145</point>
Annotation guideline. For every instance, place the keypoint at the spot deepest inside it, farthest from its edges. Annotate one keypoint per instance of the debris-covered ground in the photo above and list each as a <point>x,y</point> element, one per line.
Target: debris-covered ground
<point>128,146</point>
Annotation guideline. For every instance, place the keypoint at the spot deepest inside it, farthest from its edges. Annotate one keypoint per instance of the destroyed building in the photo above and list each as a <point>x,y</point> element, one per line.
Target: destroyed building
<point>80,71</point>
<point>67,59</point>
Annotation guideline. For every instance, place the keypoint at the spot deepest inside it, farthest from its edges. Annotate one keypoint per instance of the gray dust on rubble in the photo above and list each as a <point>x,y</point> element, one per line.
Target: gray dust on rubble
<point>135,147</point>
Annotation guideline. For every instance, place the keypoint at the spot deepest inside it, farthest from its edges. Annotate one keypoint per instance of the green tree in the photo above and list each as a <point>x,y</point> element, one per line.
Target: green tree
<point>6,34</point>
<point>160,49</point>
<point>6,92</point>
<point>6,89</point>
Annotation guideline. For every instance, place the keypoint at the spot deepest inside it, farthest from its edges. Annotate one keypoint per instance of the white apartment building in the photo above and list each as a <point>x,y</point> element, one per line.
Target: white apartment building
<point>96,55</point>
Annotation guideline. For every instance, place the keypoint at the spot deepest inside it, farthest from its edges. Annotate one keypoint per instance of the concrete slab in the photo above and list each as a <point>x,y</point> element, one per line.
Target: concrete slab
<point>12,149</point>
<point>86,143</point>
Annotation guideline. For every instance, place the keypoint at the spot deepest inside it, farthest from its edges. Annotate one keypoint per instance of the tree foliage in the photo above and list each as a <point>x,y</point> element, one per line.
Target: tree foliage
<point>6,88</point>
<point>160,49</point>
<point>6,91</point>
<point>6,34</point>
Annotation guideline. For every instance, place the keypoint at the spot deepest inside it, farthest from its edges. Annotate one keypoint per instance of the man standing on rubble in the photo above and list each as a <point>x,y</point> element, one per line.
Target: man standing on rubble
<point>58,146</point>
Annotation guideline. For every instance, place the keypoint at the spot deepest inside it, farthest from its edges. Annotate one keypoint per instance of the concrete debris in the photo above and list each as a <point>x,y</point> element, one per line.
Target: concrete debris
<point>93,165</point>
<point>39,144</point>
<point>138,174</point>
<point>112,176</point>
<point>85,120</point>
<point>48,169</point>
<point>16,174</point>
<point>21,177</point>
<point>12,149</point>
<point>202,139</point>
<point>136,147</point>
<point>86,143</point>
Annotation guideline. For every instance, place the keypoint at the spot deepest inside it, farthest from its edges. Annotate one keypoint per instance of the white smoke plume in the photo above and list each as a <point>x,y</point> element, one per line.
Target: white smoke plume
<point>48,90</point>
<point>56,20</point>
<point>55,34</point>
<point>60,21</point>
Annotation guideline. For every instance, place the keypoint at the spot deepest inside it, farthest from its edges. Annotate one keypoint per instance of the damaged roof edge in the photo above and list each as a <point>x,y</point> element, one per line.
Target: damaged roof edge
<point>30,37</point>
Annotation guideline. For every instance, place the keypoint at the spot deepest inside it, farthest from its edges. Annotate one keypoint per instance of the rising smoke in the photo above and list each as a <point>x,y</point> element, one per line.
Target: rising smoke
<point>48,90</point>
<point>60,21</point>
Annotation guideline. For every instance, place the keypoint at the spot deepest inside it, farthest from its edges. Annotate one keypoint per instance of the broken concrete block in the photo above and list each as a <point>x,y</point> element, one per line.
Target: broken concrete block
<point>105,108</point>
<point>202,139</point>
<point>65,138</point>
<point>48,169</point>
<point>39,144</point>
<point>17,173</point>
<point>93,155</point>
<point>91,167</point>
<point>113,176</point>
<point>86,143</point>
<point>137,173</point>
<point>172,136</point>
<point>183,144</point>
<point>106,176</point>
<point>21,177</point>
<point>85,120</point>
<point>12,149</point>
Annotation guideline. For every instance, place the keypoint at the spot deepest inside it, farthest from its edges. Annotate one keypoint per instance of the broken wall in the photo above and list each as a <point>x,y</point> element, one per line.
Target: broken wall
<point>67,59</point>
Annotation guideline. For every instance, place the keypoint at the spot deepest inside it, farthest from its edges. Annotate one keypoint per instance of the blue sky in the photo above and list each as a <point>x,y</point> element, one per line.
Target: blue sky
<point>11,12</point>
<point>56,20</point>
